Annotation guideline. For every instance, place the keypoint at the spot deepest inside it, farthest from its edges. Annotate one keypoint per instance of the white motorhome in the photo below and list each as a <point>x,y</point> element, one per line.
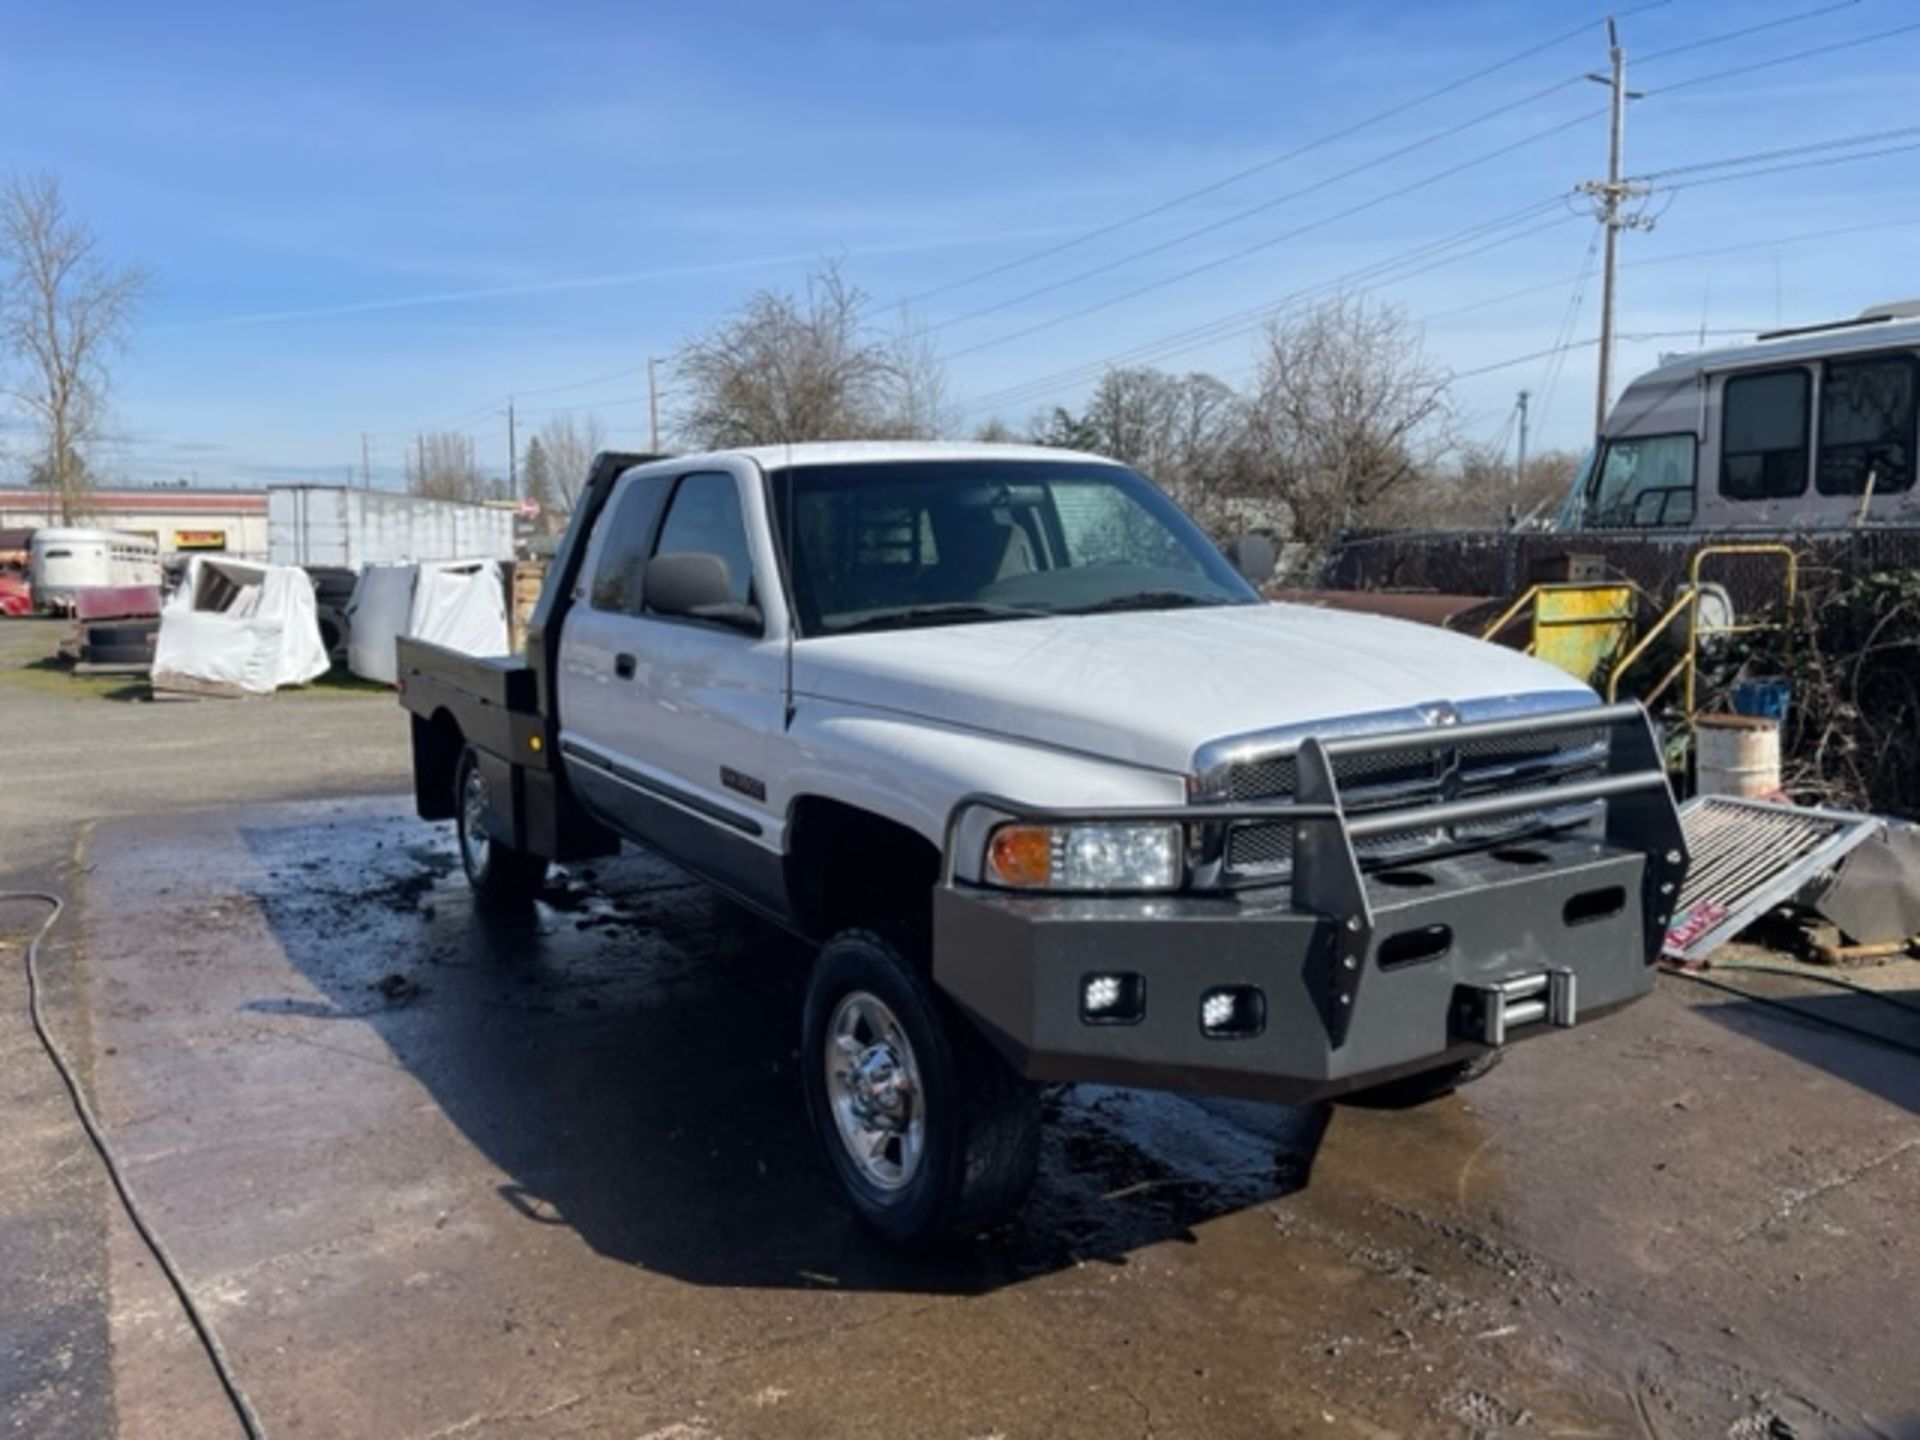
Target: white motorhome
<point>1807,429</point>
<point>63,561</point>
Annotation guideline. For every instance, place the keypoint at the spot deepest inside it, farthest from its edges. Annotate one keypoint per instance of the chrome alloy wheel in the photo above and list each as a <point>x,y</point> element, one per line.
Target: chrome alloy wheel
<point>873,1085</point>
<point>475,800</point>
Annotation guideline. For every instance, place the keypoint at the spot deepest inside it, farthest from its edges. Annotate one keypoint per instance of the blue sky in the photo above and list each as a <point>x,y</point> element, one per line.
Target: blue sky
<point>379,218</point>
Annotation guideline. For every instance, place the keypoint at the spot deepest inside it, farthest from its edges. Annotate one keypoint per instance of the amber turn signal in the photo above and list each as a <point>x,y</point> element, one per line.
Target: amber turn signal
<point>1022,856</point>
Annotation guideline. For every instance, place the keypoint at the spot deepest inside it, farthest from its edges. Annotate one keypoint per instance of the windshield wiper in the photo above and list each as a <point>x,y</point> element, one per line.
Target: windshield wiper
<point>1145,600</point>
<point>952,613</point>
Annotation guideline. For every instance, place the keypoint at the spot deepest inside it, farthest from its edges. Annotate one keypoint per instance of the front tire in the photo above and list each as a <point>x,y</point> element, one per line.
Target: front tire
<point>496,871</point>
<point>929,1132</point>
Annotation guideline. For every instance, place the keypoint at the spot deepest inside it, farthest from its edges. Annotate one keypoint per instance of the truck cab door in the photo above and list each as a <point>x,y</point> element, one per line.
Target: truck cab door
<point>665,719</point>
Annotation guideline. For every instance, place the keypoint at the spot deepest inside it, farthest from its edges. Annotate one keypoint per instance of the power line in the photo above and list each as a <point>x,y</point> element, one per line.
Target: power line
<point>1399,192</point>
<point>1212,227</point>
<point>1592,340</point>
<point>1839,142</point>
<point>1788,59</point>
<point>1727,35</point>
<point>1678,257</point>
<point>1796,165</point>
<point>1691,81</point>
<point>1576,305</point>
<point>1474,240</point>
<point>1318,143</point>
<point>585,384</point>
<point>1225,222</point>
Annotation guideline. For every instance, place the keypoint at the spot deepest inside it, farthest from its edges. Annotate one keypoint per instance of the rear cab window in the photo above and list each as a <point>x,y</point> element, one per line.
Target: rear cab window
<point>623,546</point>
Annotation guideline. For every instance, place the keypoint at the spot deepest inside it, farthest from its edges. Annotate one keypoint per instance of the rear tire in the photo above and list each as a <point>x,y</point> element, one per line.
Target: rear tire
<point>930,1133</point>
<point>1411,1091</point>
<point>496,871</point>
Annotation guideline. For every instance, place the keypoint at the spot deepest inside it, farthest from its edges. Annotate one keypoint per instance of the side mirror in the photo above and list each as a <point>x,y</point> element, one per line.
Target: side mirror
<point>1255,557</point>
<point>695,585</point>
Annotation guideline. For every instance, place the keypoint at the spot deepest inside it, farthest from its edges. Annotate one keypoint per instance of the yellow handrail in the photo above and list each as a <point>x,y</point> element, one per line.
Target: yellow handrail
<point>1693,621</point>
<point>1508,615</point>
<point>1688,604</point>
<point>1683,605</point>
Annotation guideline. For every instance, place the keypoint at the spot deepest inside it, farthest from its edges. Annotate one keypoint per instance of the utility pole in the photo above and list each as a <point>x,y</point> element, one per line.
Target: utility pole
<point>513,455</point>
<point>653,410</point>
<point>1520,465</point>
<point>1609,194</point>
<point>420,476</point>
<point>366,463</point>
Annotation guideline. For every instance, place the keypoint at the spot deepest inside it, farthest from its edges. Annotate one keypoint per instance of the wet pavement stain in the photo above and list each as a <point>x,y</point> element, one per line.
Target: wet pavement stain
<point>457,1172</point>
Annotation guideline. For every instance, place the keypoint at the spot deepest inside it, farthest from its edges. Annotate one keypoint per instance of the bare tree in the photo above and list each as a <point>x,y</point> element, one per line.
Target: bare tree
<point>1186,432</point>
<point>1478,489</point>
<point>441,466</point>
<point>64,313</point>
<point>786,368</point>
<point>921,411</point>
<point>1347,408</point>
<point>570,442</point>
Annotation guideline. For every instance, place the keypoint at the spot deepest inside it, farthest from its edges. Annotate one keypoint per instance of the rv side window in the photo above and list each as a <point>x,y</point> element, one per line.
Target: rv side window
<point>1644,481</point>
<point>1866,425</point>
<point>1763,435</point>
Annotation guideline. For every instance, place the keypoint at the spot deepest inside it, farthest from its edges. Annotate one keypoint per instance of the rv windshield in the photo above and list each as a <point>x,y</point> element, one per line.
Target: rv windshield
<point>1643,482</point>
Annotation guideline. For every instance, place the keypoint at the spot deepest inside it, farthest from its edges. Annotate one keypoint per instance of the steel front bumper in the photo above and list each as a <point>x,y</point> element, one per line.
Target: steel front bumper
<point>1344,978</point>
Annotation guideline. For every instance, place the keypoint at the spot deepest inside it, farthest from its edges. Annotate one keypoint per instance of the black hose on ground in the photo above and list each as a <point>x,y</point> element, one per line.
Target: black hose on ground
<point>1783,1003</point>
<point>209,1342</point>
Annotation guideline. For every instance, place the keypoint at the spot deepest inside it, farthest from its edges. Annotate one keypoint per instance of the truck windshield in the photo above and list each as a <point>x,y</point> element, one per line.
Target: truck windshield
<point>941,542</point>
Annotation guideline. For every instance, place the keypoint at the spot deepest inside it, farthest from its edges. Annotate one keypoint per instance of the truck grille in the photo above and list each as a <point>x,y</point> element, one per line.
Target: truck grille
<point>1397,780</point>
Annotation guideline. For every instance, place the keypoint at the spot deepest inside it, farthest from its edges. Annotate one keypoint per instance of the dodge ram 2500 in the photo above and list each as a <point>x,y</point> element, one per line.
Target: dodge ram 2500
<point>1058,794</point>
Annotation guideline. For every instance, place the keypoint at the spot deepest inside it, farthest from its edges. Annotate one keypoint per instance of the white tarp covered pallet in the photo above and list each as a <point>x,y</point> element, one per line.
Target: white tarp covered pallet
<point>234,625</point>
<point>461,604</point>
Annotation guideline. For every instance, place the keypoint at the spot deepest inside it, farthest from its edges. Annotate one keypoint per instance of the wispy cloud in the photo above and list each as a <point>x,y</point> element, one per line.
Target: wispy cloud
<point>607,282</point>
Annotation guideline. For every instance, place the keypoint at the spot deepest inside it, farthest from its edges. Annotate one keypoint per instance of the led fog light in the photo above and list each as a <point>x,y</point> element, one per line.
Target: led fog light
<point>1113,999</point>
<point>1233,1012</point>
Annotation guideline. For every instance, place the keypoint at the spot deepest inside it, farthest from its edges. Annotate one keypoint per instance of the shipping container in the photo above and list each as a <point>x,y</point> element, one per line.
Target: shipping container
<point>334,525</point>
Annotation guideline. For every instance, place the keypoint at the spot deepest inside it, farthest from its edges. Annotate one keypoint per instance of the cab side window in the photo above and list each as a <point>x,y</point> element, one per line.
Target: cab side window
<point>623,551</point>
<point>705,519</point>
<point>1866,425</point>
<point>1763,435</point>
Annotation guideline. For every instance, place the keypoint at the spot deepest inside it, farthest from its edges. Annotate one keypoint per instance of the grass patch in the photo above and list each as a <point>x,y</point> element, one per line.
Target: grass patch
<point>49,675</point>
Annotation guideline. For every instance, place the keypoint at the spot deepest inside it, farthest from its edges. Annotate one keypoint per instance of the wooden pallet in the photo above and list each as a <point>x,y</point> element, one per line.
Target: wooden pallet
<point>186,687</point>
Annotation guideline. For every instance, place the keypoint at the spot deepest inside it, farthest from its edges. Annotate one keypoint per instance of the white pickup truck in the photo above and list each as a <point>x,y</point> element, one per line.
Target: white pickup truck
<point>1058,794</point>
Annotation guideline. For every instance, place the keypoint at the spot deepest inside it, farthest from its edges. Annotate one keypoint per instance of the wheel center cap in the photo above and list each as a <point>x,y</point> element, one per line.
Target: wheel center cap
<point>880,1087</point>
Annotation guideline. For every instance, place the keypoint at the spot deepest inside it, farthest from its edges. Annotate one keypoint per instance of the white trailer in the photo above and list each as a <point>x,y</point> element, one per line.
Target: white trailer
<point>63,562</point>
<point>335,525</point>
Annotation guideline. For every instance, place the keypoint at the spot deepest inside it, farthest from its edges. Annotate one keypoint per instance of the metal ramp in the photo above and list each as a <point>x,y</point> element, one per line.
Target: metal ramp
<point>1747,856</point>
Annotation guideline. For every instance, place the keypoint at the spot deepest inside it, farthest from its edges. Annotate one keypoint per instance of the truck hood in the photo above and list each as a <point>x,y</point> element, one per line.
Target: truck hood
<point>1149,687</point>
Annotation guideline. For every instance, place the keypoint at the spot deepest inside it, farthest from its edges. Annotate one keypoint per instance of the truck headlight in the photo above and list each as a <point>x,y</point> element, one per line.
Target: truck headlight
<point>1085,857</point>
